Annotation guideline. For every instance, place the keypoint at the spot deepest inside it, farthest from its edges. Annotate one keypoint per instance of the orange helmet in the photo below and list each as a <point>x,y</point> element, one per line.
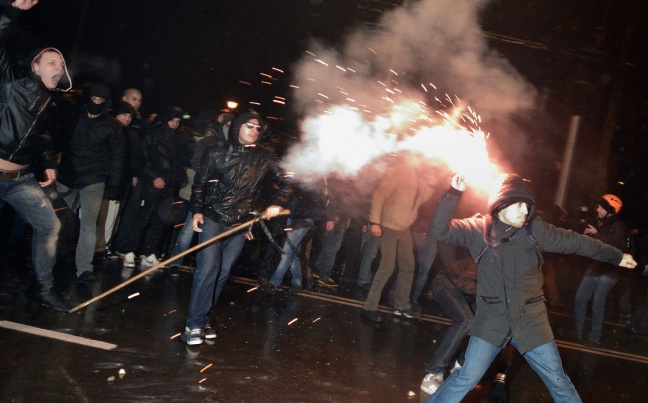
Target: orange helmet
<point>611,203</point>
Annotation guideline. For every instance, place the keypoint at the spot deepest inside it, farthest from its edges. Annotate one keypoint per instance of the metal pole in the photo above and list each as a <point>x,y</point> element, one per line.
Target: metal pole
<point>568,157</point>
<point>233,230</point>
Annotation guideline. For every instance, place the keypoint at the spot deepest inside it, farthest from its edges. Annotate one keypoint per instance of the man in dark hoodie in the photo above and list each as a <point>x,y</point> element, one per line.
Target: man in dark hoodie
<point>25,100</point>
<point>166,151</point>
<point>225,192</point>
<point>214,136</point>
<point>93,157</point>
<point>506,245</point>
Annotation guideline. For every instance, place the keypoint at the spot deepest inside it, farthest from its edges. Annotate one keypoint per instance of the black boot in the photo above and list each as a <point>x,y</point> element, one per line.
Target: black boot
<point>498,391</point>
<point>48,299</point>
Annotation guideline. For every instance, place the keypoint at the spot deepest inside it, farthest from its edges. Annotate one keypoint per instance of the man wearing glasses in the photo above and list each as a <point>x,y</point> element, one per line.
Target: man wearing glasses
<point>225,192</point>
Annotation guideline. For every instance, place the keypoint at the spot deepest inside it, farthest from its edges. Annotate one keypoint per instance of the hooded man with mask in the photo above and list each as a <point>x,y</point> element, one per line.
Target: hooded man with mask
<point>91,164</point>
<point>506,244</point>
<point>25,148</point>
<point>225,192</point>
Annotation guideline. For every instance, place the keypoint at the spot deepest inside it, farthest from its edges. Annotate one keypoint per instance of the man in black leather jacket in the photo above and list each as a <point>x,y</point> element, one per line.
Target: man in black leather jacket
<point>225,192</point>
<point>24,144</point>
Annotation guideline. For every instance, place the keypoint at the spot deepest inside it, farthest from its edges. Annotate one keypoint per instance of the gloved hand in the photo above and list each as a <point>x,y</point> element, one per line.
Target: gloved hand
<point>113,192</point>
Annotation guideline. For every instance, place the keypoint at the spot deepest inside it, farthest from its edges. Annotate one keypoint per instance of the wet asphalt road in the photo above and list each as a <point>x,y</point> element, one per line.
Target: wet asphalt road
<point>311,347</point>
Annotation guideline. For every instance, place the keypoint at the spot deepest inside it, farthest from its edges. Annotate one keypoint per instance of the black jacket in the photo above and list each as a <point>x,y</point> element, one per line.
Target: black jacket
<point>24,113</point>
<point>611,231</point>
<point>167,153</point>
<point>95,151</point>
<point>226,187</point>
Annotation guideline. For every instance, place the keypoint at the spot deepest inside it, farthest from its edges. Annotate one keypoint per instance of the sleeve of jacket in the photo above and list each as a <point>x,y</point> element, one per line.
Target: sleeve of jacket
<point>151,165</point>
<point>558,240</point>
<point>201,181</point>
<point>7,17</point>
<point>116,157</point>
<point>380,195</point>
<point>137,161</point>
<point>198,152</point>
<point>445,229</point>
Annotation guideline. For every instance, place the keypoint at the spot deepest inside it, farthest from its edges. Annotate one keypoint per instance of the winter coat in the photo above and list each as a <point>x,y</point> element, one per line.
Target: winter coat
<point>167,153</point>
<point>25,109</point>
<point>397,199</point>
<point>226,187</point>
<point>510,301</point>
<point>95,151</point>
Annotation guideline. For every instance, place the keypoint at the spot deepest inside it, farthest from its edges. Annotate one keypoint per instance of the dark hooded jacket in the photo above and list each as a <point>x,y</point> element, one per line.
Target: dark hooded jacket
<point>226,186</point>
<point>219,138</point>
<point>166,151</point>
<point>26,109</point>
<point>95,152</point>
<point>510,301</point>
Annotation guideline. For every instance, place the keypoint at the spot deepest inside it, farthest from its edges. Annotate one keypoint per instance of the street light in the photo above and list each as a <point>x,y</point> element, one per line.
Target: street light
<point>232,104</point>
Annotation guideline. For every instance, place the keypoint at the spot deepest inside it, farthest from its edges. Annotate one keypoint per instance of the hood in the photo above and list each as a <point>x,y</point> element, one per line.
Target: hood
<point>509,189</point>
<point>222,128</point>
<point>172,112</point>
<point>239,120</point>
<point>101,91</point>
<point>65,83</point>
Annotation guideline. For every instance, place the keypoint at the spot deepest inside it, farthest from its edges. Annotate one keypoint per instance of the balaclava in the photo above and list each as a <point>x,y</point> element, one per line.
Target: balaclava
<point>101,91</point>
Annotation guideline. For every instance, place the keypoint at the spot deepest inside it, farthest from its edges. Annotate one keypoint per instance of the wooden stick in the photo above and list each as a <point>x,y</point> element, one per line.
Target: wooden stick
<point>222,235</point>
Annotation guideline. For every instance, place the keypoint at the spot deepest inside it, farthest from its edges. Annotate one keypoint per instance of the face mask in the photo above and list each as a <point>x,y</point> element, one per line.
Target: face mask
<point>95,109</point>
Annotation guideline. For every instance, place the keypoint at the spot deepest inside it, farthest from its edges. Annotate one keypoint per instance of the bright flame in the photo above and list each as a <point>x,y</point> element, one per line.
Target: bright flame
<point>343,140</point>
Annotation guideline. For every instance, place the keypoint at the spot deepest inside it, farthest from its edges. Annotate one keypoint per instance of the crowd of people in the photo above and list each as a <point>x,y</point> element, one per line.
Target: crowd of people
<point>122,178</point>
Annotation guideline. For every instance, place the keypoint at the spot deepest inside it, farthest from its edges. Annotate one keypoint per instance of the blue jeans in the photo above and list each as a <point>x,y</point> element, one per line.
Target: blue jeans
<point>369,250</point>
<point>461,309</point>
<point>25,195</point>
<point>214,265</point>
<point>290,258</point>
<point>426,251</point>
<point>544,360</point>
<point>183,241</point>
<point>89,201</point>
<point>330,246</point>
<point>595,287</point>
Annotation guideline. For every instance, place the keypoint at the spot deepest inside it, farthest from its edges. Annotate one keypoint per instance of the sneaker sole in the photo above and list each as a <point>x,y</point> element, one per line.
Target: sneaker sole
<point>128,264</point>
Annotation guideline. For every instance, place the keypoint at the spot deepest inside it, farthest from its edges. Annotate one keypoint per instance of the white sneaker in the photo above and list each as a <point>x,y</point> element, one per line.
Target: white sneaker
<point>150,260</point>
<point>431,382</point>
<point>129,259</point>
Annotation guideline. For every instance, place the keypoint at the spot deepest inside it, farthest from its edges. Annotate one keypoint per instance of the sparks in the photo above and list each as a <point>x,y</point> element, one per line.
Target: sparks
<point>206,368</point>
<point>252,289</point>
<point>134,295</point>
<point>175,336</point>
<point>292,321</point>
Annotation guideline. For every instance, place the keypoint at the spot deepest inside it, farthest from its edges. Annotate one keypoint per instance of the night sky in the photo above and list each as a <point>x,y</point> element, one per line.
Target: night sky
<point>582,57</point>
